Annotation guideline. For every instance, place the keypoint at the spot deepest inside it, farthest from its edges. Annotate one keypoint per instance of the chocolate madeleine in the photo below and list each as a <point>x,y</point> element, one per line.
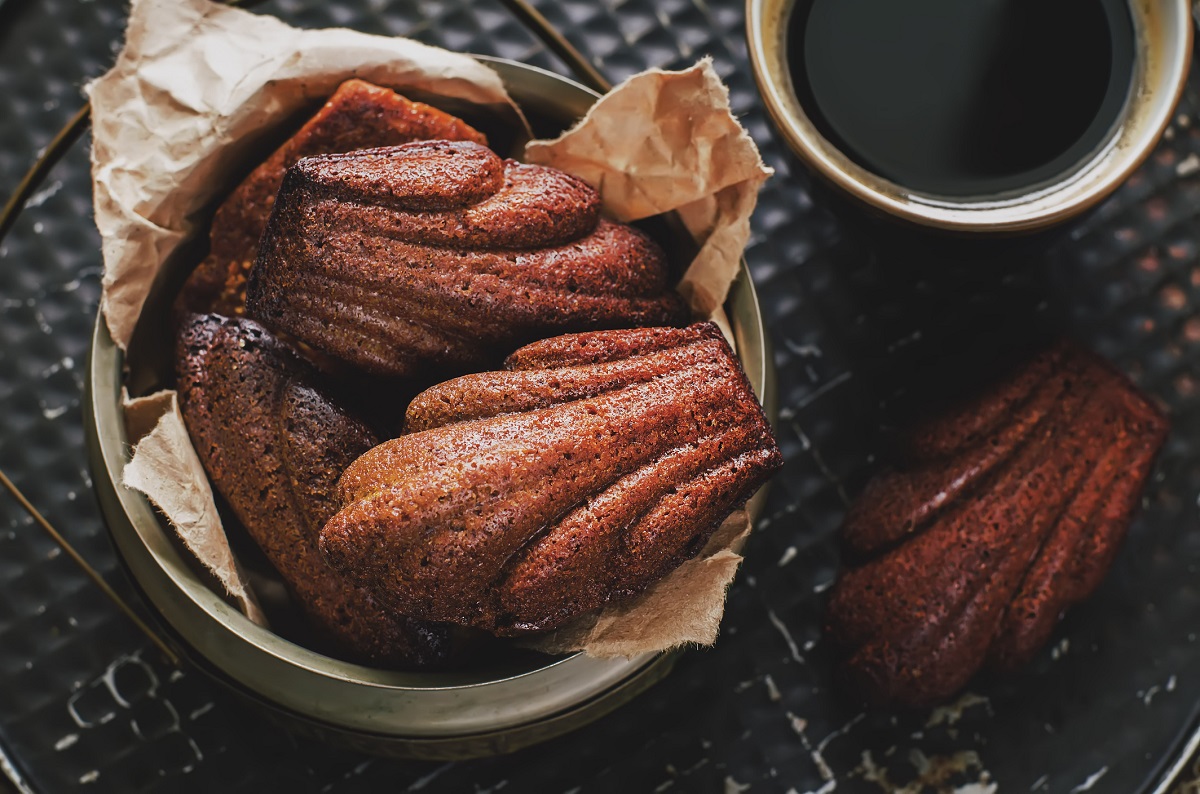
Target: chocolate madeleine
<point>1009,512</point>
<point>274,446</point>
<point>359,115</point>
<point>589,469</point>
<point>442,256</point>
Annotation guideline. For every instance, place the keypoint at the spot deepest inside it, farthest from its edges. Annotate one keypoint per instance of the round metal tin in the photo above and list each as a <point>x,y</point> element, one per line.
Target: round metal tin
<point>426,715</point>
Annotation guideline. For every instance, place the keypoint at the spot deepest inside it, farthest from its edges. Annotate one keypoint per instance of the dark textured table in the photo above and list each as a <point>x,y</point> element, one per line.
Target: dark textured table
<point>866,323</point>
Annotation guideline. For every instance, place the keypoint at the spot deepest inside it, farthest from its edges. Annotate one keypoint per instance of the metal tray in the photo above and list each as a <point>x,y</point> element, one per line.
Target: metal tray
<point>859,314</point>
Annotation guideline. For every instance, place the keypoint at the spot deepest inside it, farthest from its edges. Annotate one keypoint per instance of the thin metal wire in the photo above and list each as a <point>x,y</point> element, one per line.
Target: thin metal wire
<point>583,68</point>
<point>53,153</point>
<point>170,655</point>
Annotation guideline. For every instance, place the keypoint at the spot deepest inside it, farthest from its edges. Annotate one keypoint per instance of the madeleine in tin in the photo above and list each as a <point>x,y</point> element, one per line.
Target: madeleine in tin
<point>313,404</point>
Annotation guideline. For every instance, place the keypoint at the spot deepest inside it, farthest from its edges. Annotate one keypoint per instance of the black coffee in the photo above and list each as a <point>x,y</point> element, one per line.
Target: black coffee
<point>963,97</point>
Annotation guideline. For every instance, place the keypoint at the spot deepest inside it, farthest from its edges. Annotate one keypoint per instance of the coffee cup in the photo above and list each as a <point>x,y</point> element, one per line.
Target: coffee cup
<point>786,51</point>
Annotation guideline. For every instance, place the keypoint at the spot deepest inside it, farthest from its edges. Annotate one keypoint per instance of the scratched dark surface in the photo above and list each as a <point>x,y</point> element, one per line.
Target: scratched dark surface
<point>866,324</point>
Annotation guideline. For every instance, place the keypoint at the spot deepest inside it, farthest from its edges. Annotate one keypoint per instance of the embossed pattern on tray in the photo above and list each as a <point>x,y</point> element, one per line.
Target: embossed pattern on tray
<point>863,325</point>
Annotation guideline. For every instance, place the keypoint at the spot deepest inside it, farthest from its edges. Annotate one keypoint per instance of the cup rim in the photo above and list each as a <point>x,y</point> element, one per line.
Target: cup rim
<point>1163,53</point>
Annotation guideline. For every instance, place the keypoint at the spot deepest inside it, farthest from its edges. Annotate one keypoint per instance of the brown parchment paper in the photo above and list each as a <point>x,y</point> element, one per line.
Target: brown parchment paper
<point>194,78</point>
<point>164,469</point>
<point>668,141</point>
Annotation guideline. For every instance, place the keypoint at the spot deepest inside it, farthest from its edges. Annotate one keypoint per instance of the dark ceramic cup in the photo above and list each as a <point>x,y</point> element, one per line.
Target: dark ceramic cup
<point>1163,48</point>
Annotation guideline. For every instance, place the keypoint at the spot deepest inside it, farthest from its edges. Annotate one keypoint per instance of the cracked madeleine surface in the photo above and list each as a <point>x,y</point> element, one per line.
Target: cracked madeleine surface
<point>274,446</point>
<point>359,115</point>
<point>1009,510</point>
<point>442,256</point>
<point>586,471</point>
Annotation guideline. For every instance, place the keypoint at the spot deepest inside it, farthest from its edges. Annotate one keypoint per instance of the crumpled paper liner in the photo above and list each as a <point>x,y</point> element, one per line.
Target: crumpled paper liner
<point>668,141</point>
<point>164,469</point>
<point>169,125</point>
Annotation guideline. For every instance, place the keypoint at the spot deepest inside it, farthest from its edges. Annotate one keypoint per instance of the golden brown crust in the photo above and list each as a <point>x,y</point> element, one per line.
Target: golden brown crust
<point>359,115</point>
<point>1010,513</point>
<point>556,490</point>
<point>274,446</point>
<point>369,259</point>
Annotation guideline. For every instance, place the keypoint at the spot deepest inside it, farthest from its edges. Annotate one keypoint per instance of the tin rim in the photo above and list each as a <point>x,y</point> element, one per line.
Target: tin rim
<point>423,709</point>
